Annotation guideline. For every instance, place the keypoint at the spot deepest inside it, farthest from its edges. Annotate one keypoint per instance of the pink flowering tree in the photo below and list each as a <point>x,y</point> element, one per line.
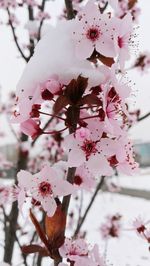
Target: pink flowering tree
<point>73,107</point>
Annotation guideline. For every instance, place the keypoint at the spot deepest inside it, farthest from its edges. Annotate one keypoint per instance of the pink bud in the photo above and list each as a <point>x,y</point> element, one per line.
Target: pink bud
<point>53,86</point>
<point>31,128</point>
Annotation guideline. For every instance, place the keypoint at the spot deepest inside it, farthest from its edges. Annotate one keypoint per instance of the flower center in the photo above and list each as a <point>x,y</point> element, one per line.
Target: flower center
<point>141,229</point>
<point>89,147</point>
<point>120,42</point>
<point>73,251</point>
<point>93,34</point>
<point>45,189</point>
<point>78,180</point>
<point>46,95</point>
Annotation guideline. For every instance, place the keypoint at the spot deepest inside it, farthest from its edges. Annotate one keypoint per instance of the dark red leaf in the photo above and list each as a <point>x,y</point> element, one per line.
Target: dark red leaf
<point>39,230</point>
<point>61,102</point>
<point>131,3</point>
<point>72,116</point>
<point>76,89</point>
<point>33,249</point>
<point>91,99</point>
<point>46,95</point>
<point>108,61</point>
<point>55,225</point>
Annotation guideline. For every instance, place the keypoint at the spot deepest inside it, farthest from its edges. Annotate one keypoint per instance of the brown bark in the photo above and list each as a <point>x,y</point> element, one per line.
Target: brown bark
<point>11,226</point>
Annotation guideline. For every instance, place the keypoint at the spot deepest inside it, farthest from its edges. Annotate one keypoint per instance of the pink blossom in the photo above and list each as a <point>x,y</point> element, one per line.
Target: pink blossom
<point>123,9</point>
<point>84,179</point>
<point>139,225</point>
<point>31,128</point>
<point>98,259</point>
<point>45,186</point>
<point>93,31</point>
<point>111,113</point>
<point>123,89</point>
<point>127,165</point>
<point>53,85</point>
<point>90,151</point>
<point>73,249</point>
<point>21,190</point>
<point>77,251</point>
<point>123,31</point>
<point>111,227</point>
<point>143,62</point>
<point>28,99</point>
<point>8,3</point>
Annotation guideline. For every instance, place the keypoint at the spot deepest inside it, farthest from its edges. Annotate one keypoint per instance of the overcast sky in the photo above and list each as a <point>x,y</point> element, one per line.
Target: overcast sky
<point>11,67</point>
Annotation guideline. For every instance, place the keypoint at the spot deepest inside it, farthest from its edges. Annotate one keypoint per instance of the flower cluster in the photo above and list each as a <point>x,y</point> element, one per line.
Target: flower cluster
<point>76,86</point>
<point>43,188</point>
<point>125,6</point>
<point>111,227</point>
<point>8,3</point>
<point>78,253</point>
<point>80,87</point>
<point>142,228</point>
<point>143,62</point>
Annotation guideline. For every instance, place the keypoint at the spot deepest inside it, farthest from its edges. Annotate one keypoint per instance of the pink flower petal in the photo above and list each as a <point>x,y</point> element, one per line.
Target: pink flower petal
<point>84,49</point>
<point>76,158</point>
<point>49,205</point>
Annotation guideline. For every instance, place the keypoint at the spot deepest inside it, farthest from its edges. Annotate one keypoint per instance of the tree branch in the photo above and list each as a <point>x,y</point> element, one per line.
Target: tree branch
<point>46,125</point>
<point>69,8</point>
<point>66,199</point>
<point>103,8</point>
<point>70,179</point>
<point>31,18</point>
<point>14,213</point>
<point>24,256</point>
<point>42,7</point>
<point>143,117</point>
<point>15,37</point>
<point>99,186</point>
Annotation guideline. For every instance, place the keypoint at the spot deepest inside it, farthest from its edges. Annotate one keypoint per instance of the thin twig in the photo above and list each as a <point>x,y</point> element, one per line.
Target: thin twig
<point>23,255</point>
<point>66,199</point>
<point>31,18</point>
<point>80,208</point>
<point>71,171</point>
<point>15,37</point>
<point>99,185</point>
<point>103,9</point>
<point>42,7</point>
<point>6,219</point>
<point>69,8</point>
<point>46,125</point>
<point>143,117</point>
